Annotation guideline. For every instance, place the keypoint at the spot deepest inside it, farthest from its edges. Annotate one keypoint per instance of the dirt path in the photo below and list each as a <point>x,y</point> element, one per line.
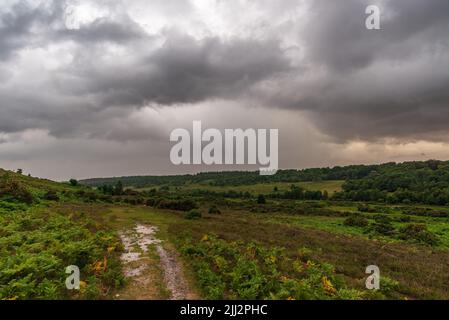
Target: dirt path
<point>153,271</point>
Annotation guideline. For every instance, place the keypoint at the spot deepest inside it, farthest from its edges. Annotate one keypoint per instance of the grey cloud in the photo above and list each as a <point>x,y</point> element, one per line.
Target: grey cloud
<point>336,35</point>
<point>186,70</point>
<point>369,85</point>
<point>23,25</point>
<point>16,25</point>
<point>353,83</point>
<point>183,70</point>
<point>60,115</point>
<point>103,29</point>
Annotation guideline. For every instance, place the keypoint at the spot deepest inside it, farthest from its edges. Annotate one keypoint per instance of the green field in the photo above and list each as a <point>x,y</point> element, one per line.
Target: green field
<point>263,188</point>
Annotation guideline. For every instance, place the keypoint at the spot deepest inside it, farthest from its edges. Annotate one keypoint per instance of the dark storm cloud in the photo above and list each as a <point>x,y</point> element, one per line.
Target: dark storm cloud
<point>368,84</point>
<point>186,70</point>
<point>337,37</point>
<point>168,68</point>
<point>353,82</point>
<point>60,115</point>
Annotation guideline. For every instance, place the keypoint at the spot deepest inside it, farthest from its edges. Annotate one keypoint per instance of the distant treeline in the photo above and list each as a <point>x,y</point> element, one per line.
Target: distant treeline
<point>409,182</point>
<point>236,178</point>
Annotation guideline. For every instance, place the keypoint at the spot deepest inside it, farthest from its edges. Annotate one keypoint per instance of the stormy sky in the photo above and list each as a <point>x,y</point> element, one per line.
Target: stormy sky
<point>93,88</point>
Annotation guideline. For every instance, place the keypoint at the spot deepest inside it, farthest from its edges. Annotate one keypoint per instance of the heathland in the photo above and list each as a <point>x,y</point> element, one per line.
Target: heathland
<point>300,234</point>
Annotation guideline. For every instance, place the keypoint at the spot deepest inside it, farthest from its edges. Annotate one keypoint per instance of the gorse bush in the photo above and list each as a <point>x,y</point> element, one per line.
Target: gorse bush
<point>51,195</point>
<point>362,207</point>
<point>356,221</point>
<point>214,210</point>
<point>235,270</point>
<point>384,228</point>
<point>193,215</point>
<point>418,233</point>
<point>380,218</point>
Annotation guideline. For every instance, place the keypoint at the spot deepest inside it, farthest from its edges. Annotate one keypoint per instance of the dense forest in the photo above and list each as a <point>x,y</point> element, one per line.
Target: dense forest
<point>408,182</point>
<point>235,178</point>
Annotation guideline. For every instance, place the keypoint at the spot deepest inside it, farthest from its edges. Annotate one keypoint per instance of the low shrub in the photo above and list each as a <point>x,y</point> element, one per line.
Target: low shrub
<point>261,199</point>
<point>356,221</point>
<point>179,205</point>
<point>384,228</point>
<point>363,207</point>
<point>418,233</point>
<point>214,210</point>
<point>381,218</point>
<point>193,215</point>
<point>51,195</point>
<point>425,212</point>
<point>403,219</point>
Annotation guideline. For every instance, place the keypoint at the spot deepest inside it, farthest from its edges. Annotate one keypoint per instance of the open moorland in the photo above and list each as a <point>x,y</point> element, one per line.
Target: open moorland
<point>300,234</point>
